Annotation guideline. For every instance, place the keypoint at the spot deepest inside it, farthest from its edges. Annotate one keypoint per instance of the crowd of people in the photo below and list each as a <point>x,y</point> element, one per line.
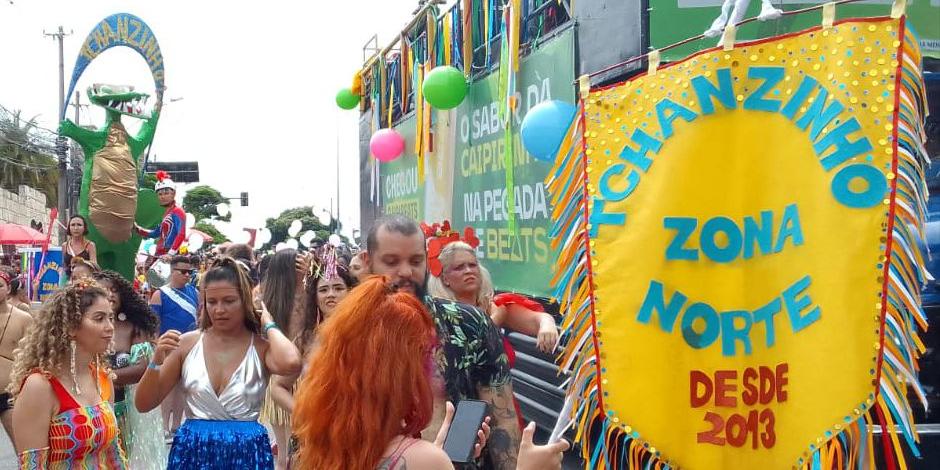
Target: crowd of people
<point>351,360</point>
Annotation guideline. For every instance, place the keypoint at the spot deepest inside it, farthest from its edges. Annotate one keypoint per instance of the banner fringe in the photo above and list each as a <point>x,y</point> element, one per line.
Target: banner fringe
<point>606,443</point>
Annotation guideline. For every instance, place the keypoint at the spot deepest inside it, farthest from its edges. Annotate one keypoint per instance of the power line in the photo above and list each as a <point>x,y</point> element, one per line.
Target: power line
<point>6,116</point>
<point>29,164</point>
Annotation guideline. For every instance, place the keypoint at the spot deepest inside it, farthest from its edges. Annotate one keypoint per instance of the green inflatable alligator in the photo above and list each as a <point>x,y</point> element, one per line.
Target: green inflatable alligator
<point>109,198</point>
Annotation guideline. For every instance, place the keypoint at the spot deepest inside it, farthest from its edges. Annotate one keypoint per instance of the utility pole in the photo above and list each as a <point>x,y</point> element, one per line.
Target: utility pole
<point>75,167</point>
<point>78,104</point>
<point>60,141</point>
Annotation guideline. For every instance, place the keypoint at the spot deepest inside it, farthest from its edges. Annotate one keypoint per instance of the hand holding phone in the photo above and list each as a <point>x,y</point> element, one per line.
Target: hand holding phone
<point>467,432</point>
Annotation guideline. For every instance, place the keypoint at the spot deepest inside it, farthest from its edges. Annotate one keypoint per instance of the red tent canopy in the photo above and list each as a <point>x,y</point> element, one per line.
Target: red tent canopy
<point>13,234</point>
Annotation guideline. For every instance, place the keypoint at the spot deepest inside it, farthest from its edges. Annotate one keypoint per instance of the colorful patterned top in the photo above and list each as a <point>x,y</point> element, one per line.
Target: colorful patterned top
<point>82,437</point>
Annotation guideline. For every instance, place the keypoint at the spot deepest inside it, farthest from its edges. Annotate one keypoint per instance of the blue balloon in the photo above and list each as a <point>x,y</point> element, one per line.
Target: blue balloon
<point>544,128</point>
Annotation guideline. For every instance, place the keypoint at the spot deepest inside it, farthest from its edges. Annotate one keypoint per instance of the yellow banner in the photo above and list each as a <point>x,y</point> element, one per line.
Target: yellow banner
<point>744,212</point>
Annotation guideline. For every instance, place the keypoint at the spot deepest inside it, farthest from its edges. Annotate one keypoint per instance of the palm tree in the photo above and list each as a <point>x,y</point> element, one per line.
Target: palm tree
<point>26,158</point>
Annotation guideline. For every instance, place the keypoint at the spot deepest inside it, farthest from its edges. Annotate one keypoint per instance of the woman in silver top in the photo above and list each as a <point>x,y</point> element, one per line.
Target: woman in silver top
<point>223,395</point>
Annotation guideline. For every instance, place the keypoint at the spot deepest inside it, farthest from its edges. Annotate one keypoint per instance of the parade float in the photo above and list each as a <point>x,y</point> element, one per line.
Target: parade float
<point>733,234</point>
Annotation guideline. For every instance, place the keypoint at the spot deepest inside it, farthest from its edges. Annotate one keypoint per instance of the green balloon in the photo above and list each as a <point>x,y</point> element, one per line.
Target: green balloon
<point>346,99</point>
<point>149,212</point>
<point>445,87</point>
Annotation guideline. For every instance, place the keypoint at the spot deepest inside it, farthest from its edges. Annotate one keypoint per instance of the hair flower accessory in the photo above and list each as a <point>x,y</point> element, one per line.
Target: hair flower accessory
<point>440,235</point>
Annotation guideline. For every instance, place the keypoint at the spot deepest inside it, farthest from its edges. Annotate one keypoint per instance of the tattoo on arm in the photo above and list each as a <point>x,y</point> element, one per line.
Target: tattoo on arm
<point>505,436</point>
<point>387,464</point>
<point>501,449</point>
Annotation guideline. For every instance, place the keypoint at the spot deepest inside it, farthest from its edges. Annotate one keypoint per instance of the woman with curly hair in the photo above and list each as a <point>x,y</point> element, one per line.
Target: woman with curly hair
<point>353,415</point>
<point>135,328</point>
<point>61,386</point>
<point>223,395</point>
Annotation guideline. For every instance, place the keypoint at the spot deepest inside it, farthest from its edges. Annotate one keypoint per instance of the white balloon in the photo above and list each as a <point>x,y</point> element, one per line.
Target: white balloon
<point>294,228</point>
<point>196,241</point>
<point>152,250</point>
<point>258,241</point>
<point>265,235</point>
<point>190,220</point>
<point>222,209</point>
<point>335,240</point>
<point>307,238</point>
<point>292,243</point>
<point>280,246</point>
<point>163,269</point>
<point>240,236</point>
<point>230,230</point>
<point>324,217</point>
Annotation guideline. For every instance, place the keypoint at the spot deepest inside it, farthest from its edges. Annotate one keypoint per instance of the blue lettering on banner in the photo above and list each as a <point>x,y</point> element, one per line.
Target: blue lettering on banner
<point>722,240</point>
<point>832,143</point>
<point>702,324</point>
<point>120,29</point>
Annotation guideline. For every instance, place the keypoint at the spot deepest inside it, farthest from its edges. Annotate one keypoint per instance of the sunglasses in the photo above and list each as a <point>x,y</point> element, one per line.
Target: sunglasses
<point>187,272</point>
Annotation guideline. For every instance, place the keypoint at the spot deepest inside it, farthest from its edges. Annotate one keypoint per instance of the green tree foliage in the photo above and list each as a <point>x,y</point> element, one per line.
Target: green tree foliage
<point>209,229</point>
<point>27,157</point>
<point>201,202</point>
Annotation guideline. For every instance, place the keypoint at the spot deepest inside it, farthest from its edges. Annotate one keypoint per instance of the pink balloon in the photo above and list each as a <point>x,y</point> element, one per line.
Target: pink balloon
<point>387,145</point>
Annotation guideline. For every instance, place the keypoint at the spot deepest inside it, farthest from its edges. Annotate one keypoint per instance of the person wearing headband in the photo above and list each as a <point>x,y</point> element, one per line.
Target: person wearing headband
<point>223,395</point>
<point>82,269</point>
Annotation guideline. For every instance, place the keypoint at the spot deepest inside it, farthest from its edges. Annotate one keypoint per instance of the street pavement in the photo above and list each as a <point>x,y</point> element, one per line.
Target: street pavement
<point>7,455</point>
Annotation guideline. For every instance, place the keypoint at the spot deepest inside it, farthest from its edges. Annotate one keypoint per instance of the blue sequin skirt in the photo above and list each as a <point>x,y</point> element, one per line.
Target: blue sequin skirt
<point>221,445</point>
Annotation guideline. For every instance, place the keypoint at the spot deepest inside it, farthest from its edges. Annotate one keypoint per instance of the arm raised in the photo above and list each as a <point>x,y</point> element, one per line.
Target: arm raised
<point>158,381</point>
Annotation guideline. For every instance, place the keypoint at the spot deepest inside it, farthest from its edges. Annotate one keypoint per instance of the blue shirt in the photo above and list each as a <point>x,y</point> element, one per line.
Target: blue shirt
<point>172,315</point>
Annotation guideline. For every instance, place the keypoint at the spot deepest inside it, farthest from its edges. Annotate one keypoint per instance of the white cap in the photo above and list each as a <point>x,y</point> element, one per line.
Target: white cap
<point>164,181</point>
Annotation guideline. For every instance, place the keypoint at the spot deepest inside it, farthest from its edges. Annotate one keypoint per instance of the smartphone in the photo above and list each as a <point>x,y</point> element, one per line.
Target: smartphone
<point>462,435</point>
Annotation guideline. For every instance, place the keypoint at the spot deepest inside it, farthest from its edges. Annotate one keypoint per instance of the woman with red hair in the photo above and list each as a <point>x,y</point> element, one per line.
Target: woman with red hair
<point>373,390</point>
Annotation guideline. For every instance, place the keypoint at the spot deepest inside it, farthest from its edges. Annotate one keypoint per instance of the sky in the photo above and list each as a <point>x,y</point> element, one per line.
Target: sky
<point>252,86</point>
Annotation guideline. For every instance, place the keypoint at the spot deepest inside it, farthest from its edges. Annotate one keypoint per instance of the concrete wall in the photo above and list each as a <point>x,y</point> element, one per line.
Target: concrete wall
<point>23,207</point>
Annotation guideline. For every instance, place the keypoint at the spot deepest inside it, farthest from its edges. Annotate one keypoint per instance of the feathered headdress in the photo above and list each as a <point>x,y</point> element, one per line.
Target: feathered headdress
<point>441,235</point>
<point>164,181</point>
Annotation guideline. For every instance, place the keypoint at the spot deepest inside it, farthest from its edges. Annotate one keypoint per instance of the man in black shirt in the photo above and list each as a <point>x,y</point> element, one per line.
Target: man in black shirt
<point>471,360</point>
